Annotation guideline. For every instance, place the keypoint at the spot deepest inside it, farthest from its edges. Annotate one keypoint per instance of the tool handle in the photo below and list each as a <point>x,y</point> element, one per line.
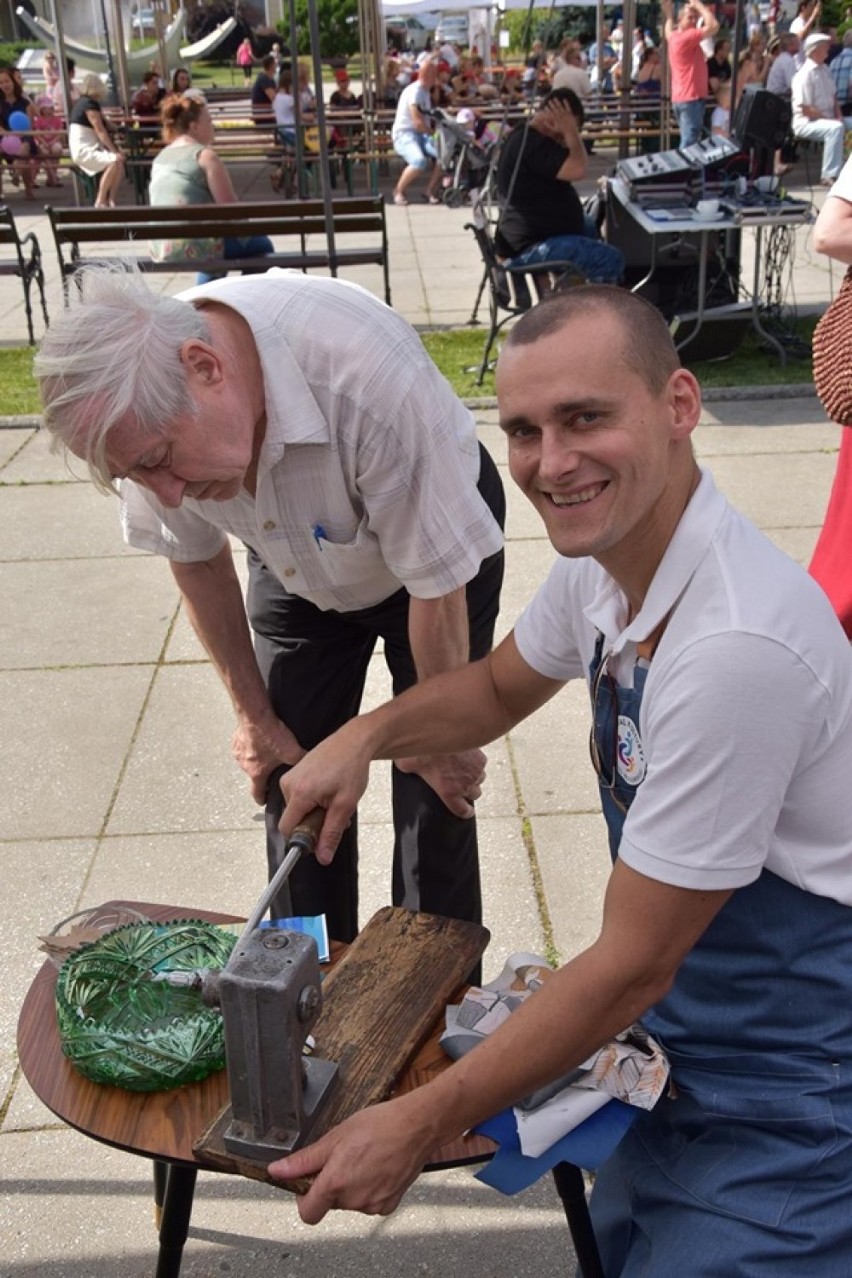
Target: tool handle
<point>303,839</point>
<point>307,832</point>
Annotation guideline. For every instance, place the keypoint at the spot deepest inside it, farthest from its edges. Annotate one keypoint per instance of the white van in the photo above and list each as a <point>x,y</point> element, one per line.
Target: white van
<point>410,33</point>
<point>453,28</point>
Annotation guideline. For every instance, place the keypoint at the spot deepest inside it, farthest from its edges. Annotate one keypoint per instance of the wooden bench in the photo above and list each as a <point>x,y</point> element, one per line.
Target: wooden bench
<point>26,264</point>
<point>77,230</point>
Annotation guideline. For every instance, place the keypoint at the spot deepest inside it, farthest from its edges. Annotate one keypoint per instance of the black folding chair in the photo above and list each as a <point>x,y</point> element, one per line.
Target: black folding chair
<point>512,290</point>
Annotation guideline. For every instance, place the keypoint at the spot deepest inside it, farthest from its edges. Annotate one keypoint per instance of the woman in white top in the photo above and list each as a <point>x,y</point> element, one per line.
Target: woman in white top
<point>284,106</point>
<point>89,141</point>
<point>307,97</point>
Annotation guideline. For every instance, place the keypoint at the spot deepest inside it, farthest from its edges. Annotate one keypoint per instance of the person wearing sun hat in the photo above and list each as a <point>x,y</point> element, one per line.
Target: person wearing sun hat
<point>816,111</point>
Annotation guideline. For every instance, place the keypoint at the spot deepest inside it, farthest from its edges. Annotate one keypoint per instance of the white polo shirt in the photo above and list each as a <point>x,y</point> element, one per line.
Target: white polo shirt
<point>367,476</point>
<point>746,720</point>
<point>813,86</point>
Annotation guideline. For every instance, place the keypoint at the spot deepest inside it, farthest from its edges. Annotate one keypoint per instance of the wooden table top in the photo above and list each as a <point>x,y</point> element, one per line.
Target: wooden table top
<point>164,1125</point>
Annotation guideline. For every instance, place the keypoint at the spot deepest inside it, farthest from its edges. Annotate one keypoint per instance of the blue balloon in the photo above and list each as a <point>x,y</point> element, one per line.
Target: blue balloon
<point>19,121</point>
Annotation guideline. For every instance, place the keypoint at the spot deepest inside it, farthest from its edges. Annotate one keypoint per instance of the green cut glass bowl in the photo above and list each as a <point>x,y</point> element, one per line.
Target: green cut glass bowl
<point>119,1026</point>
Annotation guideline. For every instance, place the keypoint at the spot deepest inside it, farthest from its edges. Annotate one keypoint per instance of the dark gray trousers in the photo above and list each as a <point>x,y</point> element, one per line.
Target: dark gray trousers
<point>315,664</point>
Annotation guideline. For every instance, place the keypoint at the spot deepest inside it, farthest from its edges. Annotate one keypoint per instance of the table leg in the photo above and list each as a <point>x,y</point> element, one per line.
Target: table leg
<point>161,1173</point>
<point>755,300</point>
<point>572,1191</point>
<point>177,1209</point>
<point>698,323</point>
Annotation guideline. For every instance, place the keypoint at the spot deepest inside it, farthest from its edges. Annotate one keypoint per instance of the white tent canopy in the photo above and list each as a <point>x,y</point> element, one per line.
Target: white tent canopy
<point>413,7</point>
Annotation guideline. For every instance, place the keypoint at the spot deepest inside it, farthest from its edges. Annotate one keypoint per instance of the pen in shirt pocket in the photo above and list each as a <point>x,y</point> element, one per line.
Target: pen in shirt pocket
<point>319,535</point>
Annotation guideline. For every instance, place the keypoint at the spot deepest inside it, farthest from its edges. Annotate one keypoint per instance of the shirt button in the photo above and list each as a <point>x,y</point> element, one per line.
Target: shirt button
<point>289,572</point>
<point>268,525</point>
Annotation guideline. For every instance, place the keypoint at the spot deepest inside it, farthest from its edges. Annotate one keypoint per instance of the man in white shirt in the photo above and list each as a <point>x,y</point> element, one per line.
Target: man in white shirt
<point>573,75</point>
<point>721,686</point>
<point>602,58</point>
<point>304,418</point>
<point>805,20</point>
<point>637,50</point>
<point>449,53</point>
<point>412,135</point>
<point>816,111</point>
<point>784,65</point>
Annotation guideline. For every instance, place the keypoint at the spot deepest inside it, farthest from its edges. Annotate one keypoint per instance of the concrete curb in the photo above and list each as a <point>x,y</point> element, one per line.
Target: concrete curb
<point>717,394</point>
<point>714,394</point>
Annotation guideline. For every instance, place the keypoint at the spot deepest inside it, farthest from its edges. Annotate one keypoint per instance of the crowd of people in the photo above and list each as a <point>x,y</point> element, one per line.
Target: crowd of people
<point>797,60</point>
<point>543,151</point>
<point>33,126</point>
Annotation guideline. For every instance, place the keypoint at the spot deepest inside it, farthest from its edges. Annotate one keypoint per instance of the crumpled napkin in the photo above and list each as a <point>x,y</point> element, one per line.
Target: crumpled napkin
<point>632,1067</point>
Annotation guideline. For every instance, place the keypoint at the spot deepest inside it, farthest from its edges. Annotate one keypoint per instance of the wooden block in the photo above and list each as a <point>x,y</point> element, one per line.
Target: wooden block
<point>380,1004</point>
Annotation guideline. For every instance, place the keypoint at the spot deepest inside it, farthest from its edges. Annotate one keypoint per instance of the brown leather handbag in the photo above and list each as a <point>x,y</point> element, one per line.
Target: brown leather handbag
<point>832,355</point>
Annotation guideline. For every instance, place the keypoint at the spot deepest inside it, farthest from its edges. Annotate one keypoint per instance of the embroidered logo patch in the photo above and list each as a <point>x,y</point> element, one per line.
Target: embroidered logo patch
<point>631,757</point>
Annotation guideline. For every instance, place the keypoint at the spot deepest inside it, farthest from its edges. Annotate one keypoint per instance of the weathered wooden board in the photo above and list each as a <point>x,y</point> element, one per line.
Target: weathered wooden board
<point>380,1004</point>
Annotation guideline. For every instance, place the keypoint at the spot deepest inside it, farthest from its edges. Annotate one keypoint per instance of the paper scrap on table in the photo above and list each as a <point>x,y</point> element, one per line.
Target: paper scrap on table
<point>310,924</point>
<point>631,1068</point>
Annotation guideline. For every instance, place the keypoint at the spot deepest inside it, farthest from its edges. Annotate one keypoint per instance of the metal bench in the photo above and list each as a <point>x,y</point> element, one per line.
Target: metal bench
<point>79,233</point>
<point>26,264</point>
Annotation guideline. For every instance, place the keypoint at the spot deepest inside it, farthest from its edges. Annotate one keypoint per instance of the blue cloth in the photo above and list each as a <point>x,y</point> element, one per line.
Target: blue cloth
<point>601,263</point>
<point>748,1171</point>
<point>588,1146</point>
<point>841,73</point>
<point>237,247</point>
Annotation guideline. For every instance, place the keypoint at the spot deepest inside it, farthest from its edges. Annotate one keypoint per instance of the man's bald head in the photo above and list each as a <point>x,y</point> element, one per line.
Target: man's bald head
<point>648,347</point>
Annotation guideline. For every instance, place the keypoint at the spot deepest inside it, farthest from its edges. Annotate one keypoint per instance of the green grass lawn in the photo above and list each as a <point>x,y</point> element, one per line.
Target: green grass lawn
<point>457,353</point>
<point>225,75</point>
<point>17,388</point>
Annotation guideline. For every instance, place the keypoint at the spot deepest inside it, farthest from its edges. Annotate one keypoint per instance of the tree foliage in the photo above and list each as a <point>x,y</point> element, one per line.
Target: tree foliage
<point>338,28</point>
<point>551,26</point>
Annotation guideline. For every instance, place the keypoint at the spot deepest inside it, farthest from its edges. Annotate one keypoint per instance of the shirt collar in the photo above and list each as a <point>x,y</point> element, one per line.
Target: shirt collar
<point>686,550</point>
<point>292,413</point>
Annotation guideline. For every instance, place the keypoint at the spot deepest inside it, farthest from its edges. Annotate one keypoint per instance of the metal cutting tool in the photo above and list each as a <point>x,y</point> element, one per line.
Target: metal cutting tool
<point>270,996</point>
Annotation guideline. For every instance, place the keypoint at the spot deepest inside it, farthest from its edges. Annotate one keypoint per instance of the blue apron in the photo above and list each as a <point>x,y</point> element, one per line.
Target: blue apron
<point>747,1170</point>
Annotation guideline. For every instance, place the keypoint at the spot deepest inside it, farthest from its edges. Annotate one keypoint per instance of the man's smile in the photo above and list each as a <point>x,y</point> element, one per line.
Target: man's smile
<point>579,498</point>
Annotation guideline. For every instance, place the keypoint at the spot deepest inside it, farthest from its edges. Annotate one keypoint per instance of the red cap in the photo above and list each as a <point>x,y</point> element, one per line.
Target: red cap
<point>341,75</point>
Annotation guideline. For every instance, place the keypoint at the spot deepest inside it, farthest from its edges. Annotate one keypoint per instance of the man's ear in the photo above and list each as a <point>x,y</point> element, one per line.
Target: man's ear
<point>685,399</point>
<point>201,362</point>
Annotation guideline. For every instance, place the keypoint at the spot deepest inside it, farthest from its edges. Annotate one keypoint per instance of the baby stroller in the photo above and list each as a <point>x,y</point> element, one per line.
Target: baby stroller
<point>466,159</point>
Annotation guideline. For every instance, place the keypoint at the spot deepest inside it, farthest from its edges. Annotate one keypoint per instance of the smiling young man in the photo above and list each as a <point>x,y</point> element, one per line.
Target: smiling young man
<point>303,418</point>
<point>722,738</point>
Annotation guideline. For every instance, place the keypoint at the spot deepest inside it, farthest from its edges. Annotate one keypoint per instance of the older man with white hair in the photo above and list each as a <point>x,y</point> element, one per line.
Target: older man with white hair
<point>304,418</point>
<point>816,111</point>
